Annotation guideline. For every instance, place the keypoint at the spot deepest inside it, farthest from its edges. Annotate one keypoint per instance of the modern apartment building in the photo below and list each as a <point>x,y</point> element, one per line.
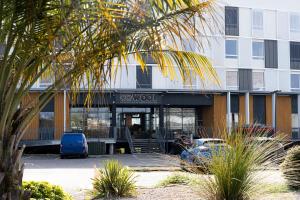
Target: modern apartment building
<point>256,56</point>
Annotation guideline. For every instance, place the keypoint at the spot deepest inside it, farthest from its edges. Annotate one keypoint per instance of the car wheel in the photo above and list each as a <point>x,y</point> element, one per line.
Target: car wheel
<point>62,157</point>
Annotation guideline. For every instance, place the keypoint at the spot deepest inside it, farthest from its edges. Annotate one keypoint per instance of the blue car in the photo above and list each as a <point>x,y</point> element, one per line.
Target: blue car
<point>73,144</point>
<point>203,149</point>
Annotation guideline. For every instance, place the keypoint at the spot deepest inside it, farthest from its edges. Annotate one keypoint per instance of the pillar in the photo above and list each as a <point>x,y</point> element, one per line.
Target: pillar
<point>113,131</point>
<point>65,110</point>
<point>228,111</point>
<point>274,110</point>
<point>161,117</point>
<point>111,149</point>
<point>247,108</point>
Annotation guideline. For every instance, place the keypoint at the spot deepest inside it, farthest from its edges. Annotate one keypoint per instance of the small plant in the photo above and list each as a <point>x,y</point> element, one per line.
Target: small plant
<point>113,181</point>
<point>181,179</point>
<point>44,190</point>
<point>233,167</point>
<point>291,168</point>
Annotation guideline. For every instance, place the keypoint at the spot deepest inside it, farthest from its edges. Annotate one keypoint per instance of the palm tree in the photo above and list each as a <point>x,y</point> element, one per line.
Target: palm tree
<point>38,38</point>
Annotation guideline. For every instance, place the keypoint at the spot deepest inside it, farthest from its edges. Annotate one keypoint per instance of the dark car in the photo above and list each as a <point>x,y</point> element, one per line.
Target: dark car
<point>73,144</point>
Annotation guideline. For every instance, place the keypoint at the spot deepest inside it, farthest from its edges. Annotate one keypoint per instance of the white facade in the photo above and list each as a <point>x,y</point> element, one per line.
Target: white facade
<point>259,20</point>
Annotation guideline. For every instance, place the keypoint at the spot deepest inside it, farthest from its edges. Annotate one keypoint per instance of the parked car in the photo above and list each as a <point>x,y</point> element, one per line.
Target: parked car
<point>203,149</point>
<point>180,144</point>
<point>73,144</point>
<point>280,152</point>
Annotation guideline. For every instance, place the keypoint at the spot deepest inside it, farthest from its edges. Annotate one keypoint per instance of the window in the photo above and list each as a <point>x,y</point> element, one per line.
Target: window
<point>257,20</point>
<point>232,80</point>
<point>295,81</point>
<point>144,78</point>
<point>295,22</point>
<point>46,122</point>
<point>46,80</point>
<point>231,46</point>
<point>231,21</point>
<point>295,55</point>
<point>258,50</point>
<point>180,120</point>
<point>258,80</point>
<point>94,122</point>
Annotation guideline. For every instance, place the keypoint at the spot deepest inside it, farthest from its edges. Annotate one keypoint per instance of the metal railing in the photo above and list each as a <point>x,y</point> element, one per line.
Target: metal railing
<point>129,139</point>
<point>161,139</point>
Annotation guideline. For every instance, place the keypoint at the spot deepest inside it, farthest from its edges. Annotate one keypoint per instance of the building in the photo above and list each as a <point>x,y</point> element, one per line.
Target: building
<point>257,59</point>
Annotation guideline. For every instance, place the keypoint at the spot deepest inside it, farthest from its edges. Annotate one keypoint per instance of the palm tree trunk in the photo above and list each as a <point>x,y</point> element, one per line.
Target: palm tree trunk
<point>12,170</point>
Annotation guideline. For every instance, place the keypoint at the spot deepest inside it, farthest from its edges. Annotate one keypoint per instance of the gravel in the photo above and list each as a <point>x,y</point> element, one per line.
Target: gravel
<point>173,192</point>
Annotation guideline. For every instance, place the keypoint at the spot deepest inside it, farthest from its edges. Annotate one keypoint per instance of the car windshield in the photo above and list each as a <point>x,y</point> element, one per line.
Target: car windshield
<point>212,142</point>
<point>200,142</point>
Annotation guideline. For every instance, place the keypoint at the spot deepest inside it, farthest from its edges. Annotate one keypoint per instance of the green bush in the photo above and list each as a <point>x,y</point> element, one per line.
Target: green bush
<point>113,181</point>
<point>234,169</point>
<point>44,190</point>
<point>181,178</point>
<point>291,168</point>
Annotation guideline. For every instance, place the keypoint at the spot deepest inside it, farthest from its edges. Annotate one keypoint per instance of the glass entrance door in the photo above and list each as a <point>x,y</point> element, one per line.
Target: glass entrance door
<point>138,120</point>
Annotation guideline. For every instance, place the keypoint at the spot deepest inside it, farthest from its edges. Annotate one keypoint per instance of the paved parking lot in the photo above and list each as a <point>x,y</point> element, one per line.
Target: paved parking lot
<point>136,160</point>
<point>75,175</point>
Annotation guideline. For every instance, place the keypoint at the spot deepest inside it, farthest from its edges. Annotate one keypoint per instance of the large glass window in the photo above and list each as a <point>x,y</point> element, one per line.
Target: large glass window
<point>258,50</point>
<point>295,81</point>
<point>144,78</point>
<point>180,120</point>
<point>232,80</point>
<point>231,20</point>
<point>257,20</point>
<point>94,122</point>
<point>46,122</point>
<point>258,81</point>
<point>295,22</point>
<point>231,46</point>
<point>295,55</point>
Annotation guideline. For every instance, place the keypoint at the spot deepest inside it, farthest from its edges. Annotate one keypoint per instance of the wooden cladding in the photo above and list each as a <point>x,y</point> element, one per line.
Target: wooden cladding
<point>59,115</point>
<point>284,114</point>
<point>215,115</point>
<point>32,131</point>
<point>269,110</point>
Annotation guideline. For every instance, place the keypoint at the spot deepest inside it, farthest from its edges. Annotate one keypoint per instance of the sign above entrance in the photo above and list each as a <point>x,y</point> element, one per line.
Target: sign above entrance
<point>140,99</point>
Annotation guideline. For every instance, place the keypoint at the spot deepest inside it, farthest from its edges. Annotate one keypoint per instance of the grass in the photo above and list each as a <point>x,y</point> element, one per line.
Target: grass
<point>275,188</point>
<point>181,178</point>
<point>113,181</point>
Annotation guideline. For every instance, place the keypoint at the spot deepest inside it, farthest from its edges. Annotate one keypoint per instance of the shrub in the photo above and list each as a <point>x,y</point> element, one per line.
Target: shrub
<point>234,169</point>
<point>291,168</point>
<point>44,190</point>
<point>113,181</point>
<point>181,179</point>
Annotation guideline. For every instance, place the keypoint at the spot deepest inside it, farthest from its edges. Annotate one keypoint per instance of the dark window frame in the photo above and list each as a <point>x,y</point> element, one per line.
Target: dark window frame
<point>295,55</point>
<point>232,21</point>
<point>144,79</point>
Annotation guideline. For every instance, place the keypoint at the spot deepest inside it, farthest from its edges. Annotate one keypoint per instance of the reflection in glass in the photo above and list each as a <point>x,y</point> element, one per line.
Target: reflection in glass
<point>94,122</point>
